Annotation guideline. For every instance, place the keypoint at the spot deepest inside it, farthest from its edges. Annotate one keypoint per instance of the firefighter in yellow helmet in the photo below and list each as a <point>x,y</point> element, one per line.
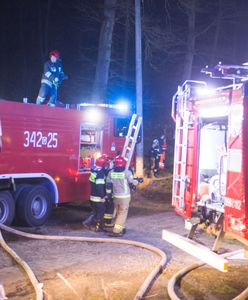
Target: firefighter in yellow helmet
<point>117,185</point>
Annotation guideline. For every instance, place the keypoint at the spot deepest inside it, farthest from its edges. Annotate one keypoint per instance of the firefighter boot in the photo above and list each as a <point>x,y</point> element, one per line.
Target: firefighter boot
<point>117,234</point>
<point>108,227</point>
<point>97,227</point>
<point>88,221</point>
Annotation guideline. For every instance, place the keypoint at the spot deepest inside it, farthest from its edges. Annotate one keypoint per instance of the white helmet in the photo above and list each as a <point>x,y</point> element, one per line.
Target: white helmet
<point>155,142</point>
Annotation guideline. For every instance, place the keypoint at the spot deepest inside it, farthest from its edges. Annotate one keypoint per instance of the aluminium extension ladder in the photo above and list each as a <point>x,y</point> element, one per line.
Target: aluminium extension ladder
<point>131,139</point>
<point>183,126</point>
<point>180,158</point>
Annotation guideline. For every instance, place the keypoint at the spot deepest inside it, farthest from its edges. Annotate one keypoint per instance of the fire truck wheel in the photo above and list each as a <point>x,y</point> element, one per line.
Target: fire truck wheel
<point>34,205</point>
<point>7,208</point>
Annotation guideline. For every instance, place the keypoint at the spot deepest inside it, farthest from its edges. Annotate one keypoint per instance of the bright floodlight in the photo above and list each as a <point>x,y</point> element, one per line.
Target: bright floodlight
<point>93,115</point>
<point>122,105</point>
<point>201,92</point>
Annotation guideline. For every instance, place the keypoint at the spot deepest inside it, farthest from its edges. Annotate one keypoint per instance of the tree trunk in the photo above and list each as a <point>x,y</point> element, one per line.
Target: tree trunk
<point>189,56</point>
<point>104,52</point>
<point>23,60</point>
<point>126,44</point>
<point>216,34</point>
<point>3,50</point>
<point>47,19</point>
<point>40,31</point>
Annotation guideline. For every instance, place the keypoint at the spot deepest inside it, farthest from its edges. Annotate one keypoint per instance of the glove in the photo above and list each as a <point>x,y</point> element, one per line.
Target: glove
<point>132,187</point>
<point>139,179</point>
<point>56,81</point>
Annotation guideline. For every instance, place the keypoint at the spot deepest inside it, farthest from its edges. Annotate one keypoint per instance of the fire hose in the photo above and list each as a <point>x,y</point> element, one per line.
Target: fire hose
<point>38,286</point>
<point>178,276</point>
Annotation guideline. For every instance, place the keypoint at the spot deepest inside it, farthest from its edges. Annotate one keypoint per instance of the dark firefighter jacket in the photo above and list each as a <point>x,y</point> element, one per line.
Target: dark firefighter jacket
<point>53,73</point>
<point>155,152</point>
<point>97,182</point>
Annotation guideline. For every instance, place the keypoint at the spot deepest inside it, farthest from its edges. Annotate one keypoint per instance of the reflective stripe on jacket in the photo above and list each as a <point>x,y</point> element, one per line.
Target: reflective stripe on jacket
<point>96,199</point>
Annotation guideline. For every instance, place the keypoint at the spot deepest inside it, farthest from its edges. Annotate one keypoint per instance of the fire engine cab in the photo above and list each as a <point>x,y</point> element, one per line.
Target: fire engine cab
<point>210,180</point>
<point>46,154</point>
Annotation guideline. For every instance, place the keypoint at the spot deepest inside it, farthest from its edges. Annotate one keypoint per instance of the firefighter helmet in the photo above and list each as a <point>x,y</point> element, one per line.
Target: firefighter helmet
<point>100,161</point>
<point>54,53</point>
<point>155,143</point>
<point>119,161</point>
<point>107,160</point>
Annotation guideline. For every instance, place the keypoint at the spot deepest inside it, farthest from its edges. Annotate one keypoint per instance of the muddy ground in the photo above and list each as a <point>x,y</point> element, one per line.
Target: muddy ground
<point>80,270</point>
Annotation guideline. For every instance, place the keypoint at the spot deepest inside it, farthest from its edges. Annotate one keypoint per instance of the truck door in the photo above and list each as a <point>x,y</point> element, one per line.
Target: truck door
<point>90,146</point>
<point>235,205</point>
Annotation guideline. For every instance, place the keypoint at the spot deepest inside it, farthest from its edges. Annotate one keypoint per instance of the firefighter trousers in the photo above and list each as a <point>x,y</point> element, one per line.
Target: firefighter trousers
<point>98,209</point>
<point>121,211</point>
<point>47,91</point>
<point>108,214</point>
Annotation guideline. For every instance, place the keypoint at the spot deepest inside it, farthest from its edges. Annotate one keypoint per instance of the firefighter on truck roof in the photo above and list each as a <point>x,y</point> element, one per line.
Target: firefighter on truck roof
<point>97,195</point>
<point>52,77</point>
<point>117,185</point>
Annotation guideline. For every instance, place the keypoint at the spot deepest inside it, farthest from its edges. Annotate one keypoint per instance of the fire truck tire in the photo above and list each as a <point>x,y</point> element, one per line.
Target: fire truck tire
<point>7,208</point>
<point>19,189</point>
<point>34,205</point>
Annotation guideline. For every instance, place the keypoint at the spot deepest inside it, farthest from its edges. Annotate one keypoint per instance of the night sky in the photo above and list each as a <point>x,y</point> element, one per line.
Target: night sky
<point>31,28</point>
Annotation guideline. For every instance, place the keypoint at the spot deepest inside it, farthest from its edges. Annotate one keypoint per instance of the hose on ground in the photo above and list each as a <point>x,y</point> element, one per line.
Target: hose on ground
<point>37,286</point>
<point>178,276</point>
<point>146,284</point>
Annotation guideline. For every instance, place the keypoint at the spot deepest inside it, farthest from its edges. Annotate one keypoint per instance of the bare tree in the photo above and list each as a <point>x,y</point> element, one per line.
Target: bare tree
<point>126,43</point>
<point>43,26</point>
<point>190,9</point>
<point>104,52</point>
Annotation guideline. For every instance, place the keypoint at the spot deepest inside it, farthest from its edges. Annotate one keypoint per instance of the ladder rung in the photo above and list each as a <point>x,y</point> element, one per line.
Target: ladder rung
<point>134,127</point>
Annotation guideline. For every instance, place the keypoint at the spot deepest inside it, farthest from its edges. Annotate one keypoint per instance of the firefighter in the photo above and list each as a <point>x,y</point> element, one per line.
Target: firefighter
<point>52,77</point>
<point>97,196</point>
<point>155,154</point>
<point>117,186</point>
<point>109,204</point>
<point>163,147</point>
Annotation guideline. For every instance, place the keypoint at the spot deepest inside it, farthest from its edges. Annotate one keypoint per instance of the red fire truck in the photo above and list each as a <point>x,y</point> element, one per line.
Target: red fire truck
<point>46,154</point>
<point>210,180</point>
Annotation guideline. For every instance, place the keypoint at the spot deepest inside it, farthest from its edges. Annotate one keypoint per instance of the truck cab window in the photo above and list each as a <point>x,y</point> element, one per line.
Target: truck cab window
<point>90,146</point>
<point>121,126</point>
